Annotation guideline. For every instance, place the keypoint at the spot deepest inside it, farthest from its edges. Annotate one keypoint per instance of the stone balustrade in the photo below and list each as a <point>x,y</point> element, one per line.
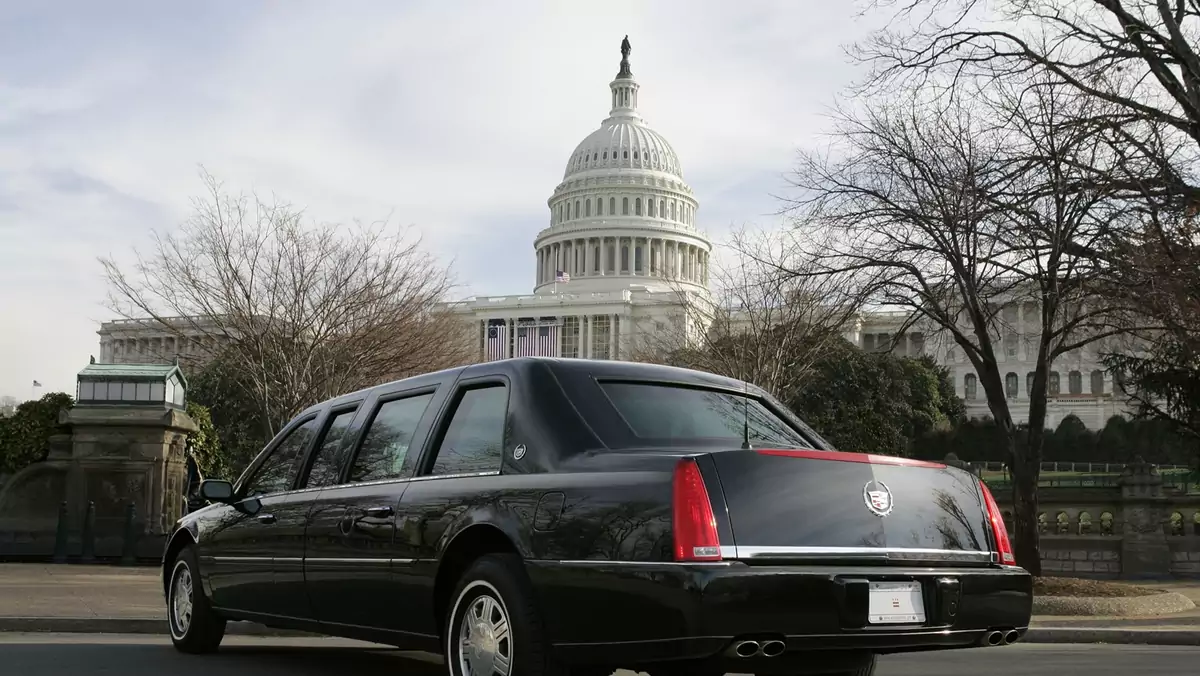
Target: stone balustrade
<point>1129,530</point>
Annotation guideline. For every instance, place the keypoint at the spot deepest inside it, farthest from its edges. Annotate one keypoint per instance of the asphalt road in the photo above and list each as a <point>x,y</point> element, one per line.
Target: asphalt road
<point>90,655</point>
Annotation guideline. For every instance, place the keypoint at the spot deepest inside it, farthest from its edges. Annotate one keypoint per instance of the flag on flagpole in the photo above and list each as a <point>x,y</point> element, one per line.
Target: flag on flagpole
<point>561,276</point>
<point>536,340</point>
<point>36,384</point>
<point>497,340</point>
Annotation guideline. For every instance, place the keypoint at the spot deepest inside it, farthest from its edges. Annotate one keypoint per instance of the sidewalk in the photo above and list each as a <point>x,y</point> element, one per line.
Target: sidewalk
<point>111,599</point>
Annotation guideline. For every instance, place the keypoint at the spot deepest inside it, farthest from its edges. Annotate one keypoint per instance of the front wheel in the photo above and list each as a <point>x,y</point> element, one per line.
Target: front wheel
<point>195,627</point>
<point>494,627</point>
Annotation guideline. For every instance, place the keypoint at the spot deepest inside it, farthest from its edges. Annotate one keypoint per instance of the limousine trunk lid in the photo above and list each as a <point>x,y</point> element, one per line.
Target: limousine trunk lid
<point>829,505</point>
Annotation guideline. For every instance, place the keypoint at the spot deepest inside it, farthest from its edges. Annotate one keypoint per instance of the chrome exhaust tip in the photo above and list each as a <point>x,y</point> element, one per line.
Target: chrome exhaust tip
<point>1011,637</point>
<point>773,648</point>
<point>995,638</point>
<point>746,648</point>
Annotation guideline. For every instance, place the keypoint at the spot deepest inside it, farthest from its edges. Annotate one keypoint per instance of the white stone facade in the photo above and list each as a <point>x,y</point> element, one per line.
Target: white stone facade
<point>148,341</point>
<point>1078,382</point>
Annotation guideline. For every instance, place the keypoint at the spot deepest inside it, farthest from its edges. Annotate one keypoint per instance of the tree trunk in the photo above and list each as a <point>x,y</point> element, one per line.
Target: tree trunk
<point>1026,469</point>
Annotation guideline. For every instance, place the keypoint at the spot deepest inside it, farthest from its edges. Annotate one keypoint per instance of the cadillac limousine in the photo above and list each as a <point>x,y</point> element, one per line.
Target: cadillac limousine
<point>533,517</point>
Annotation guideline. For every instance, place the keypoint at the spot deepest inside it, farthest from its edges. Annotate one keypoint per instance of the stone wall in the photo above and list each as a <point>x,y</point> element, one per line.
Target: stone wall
<point>1130,530</point>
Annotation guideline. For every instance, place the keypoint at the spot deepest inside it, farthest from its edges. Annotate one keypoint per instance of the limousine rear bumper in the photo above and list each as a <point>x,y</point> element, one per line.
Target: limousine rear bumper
<point>633,613</point>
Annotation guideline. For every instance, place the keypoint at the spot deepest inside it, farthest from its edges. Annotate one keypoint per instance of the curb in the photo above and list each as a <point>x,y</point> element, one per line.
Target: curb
<point>127,625</point>
<point>1173,637</point>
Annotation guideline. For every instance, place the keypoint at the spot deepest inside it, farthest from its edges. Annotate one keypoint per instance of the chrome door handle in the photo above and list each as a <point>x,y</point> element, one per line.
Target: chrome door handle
<point>266,518</point>
<point>379,512</point>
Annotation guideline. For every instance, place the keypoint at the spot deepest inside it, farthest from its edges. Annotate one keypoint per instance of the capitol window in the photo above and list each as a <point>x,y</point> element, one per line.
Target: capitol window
<point>599,206</point>
<point>625,206</point>
<point>1052,385</point>
<point>612,206</point>
<point>1097,382</point>
<point>576,208</point>
<point>969,385</point>
<point>587,207</point>
<point>637,204</point>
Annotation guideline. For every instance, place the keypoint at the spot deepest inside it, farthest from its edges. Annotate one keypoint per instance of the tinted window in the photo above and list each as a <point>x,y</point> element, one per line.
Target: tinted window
<point>667,414</point>
<point>474,441</point>
<point>387,441</point>
<point>279,469</point>
<point>327,461</point>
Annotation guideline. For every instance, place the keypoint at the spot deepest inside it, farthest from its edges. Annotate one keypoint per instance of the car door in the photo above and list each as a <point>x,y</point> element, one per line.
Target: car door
<point>322,467</point>
<point>457,473</point>
<point>349,557</point>
<point>253,531</point>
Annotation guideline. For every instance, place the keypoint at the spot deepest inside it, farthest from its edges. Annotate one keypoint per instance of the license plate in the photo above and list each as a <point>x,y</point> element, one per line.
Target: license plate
<point>895,603</point>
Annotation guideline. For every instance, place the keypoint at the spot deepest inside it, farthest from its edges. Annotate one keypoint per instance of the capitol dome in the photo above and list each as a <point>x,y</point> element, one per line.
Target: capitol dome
<point>623,215</point>
<point>623,143</point>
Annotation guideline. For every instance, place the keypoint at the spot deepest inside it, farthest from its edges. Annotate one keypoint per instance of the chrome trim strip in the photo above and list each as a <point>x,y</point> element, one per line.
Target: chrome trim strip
<point>242,559</point>
<point>347,561</point>
<point>602,562</point>
<point>463,475</point>
<point>288,559</point>
<point>892,553</point>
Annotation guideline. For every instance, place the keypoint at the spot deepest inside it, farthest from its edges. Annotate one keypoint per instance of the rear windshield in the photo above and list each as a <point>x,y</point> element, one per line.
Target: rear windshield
<point>671,415</point>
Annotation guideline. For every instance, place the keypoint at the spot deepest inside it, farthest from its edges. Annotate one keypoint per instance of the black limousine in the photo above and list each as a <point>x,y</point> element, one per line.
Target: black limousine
<point>539,516</point>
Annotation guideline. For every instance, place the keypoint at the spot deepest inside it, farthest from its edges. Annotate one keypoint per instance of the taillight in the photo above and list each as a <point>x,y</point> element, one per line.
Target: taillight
<point>692,515</point>
<point>1003,545</point>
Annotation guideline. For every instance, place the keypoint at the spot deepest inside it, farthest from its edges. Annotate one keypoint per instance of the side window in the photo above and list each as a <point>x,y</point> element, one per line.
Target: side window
<point>279,469</point>
<point>474,441</point>
<point>327,461</point>
<point>386,443</point>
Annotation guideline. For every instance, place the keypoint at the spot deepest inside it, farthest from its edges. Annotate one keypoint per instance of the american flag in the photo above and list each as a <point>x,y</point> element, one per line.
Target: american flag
<point>497,340</point>
<point>536,340</point>
<point>561,277</point>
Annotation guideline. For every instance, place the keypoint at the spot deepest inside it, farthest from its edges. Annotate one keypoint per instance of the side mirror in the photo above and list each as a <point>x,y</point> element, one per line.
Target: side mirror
<point>216,490</point>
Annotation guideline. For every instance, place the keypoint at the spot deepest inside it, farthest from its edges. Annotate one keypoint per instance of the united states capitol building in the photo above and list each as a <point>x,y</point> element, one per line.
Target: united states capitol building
<point>621,259</point>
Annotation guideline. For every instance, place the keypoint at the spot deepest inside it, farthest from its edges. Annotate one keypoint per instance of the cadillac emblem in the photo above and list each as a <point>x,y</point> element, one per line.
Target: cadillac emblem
<point>878,498</point>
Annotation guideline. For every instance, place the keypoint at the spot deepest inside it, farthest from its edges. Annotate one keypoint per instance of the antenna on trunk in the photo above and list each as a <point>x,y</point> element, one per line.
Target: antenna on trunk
<point>746,416</point>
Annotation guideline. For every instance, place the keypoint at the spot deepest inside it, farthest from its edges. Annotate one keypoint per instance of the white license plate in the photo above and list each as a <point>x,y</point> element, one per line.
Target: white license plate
<point>895,603</point>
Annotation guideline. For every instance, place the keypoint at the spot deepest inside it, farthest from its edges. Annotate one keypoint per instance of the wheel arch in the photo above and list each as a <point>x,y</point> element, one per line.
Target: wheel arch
<point>182,538</point>
<point>467,545</point>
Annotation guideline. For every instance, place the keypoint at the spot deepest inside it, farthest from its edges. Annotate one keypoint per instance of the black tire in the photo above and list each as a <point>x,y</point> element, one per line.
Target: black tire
<point>201,630</point>
<point>498,581</point>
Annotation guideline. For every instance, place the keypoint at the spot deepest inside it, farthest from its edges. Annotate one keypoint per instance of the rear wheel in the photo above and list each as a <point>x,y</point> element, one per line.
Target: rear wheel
<point>195,627</point>
<point>494,627</point>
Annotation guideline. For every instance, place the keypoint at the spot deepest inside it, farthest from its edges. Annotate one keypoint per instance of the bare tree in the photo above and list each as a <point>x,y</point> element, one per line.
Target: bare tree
<point>303,312</point>
<point>1137,55</point>
<point>761,324</point>
<point>967,212</point>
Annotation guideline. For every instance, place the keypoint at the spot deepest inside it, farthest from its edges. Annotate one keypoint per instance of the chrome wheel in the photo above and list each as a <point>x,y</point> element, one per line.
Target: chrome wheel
<point>485,645</point>
<point>181,600</point>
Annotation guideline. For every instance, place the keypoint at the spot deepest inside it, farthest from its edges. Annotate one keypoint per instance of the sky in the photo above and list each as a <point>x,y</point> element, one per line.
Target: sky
<point>453,118</point>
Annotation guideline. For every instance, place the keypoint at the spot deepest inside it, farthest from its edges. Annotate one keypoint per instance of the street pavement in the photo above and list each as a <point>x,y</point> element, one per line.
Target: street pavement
<point>134,655</point>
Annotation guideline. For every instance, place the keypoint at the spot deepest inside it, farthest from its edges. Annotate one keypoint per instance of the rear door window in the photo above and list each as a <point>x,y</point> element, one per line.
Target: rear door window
<point>474,439</point>
<point>673,415</point>
<point>388,439</point>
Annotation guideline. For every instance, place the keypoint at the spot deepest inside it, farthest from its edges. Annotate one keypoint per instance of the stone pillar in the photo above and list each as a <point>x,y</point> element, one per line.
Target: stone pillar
<point>1145,552</point>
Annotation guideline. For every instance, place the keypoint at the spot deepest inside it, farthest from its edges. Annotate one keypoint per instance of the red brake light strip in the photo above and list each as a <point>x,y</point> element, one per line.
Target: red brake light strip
<point>842,456</point>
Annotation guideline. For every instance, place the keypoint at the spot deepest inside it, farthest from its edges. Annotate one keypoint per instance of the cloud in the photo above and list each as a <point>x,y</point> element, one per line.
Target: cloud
<point>456,118</point>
